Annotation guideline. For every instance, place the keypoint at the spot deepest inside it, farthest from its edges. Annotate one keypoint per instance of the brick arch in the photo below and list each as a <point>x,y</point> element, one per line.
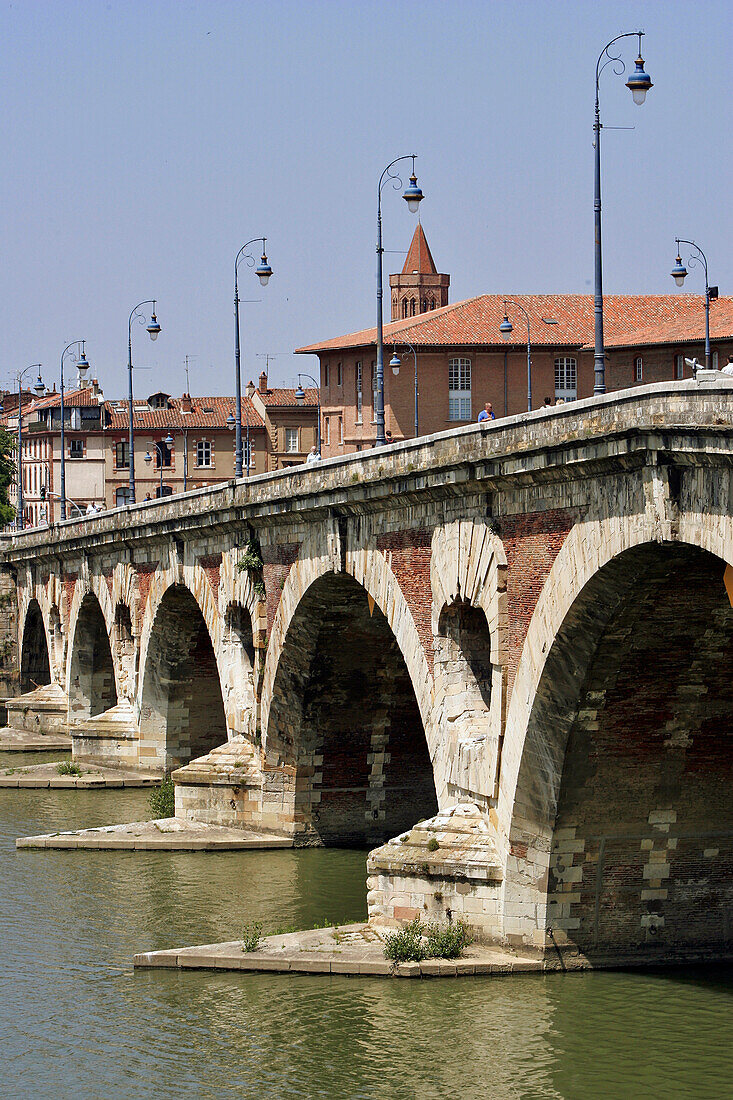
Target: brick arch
<point>320,554</point>
<point>96,586</point>
<point>193,578</point>
<point>586,587</point>
<point>91,679</point>
<point>35,661</point>
<point>469,627</point>
<point>51,600</point>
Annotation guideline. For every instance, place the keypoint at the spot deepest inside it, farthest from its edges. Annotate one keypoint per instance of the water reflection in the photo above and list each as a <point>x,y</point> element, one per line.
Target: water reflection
<point>76,1022</point>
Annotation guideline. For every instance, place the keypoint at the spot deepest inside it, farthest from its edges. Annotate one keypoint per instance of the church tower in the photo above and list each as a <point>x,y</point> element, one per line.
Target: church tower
<point>418,288</point>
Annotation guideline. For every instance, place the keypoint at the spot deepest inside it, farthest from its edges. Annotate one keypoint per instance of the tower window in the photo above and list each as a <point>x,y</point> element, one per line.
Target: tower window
<point>404,307</point>
<point>412,307</point>
<point>639,369</point>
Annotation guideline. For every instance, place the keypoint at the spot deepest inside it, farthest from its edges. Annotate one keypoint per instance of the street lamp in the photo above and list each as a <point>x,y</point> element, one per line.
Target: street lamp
<point>82,366</point>
<point>153,331</point>
<point>413,196</point>
<point>679,274</point>
<point>263,271</point>
<point>300,398</point>
<point>507,327</point>
<point>20,376</point>
<point>395,363</point>
<point>638,84</point>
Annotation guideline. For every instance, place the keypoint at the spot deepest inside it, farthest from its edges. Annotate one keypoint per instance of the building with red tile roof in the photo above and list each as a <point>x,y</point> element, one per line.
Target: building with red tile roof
<point>464,360</point>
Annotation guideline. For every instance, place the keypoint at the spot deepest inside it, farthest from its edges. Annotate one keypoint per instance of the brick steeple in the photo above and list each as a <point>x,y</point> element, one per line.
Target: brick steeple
<point>419,287</point>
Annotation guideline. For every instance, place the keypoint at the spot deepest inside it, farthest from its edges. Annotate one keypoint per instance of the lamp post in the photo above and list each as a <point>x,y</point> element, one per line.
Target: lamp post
<point>413,196</point>
<point>82,366</point>
<point>153,330</point>
<point>679,274</point>
<point>39,390</point>
<point>263,271</point>
<point>506,327</point>
<point>300,398</point>
<point>395,363</point>
<point>638,84</point>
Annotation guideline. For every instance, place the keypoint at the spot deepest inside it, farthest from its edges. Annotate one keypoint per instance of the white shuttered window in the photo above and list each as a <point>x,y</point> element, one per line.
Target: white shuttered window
<point>459,389</point>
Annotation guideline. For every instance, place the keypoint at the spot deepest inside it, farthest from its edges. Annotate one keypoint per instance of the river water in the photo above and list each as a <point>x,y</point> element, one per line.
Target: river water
<point>76,1022</point>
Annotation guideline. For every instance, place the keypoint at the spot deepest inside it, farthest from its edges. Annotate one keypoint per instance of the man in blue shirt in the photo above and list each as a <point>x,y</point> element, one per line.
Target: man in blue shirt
<point>487,413</point>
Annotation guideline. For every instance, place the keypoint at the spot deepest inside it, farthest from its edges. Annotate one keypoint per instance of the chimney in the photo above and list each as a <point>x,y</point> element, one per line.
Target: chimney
<point>95,387</point>
<point>186,405</point>
<point>250,388</point>
<point>263,383</point>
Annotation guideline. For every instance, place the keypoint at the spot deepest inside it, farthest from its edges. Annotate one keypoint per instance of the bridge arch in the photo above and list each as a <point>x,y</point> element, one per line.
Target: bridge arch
<point>348,752</point>
<point>611,739</point>
<point>91,680</point>
<point>182,712</point>
<point>35,665</point>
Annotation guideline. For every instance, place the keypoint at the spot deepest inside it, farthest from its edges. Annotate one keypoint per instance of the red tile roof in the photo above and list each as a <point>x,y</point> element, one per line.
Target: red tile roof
<point>629,319</point>
<point>419,257</point>
<point>72,399</point>
<point>286,397</point>
<point>207,412</point>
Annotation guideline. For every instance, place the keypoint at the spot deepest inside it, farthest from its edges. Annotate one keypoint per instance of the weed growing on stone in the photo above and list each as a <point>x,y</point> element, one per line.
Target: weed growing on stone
<point>433,844</point>
<point>162,799</point>
<point>67,768</point>
<point>251,936</point>
<point>418,941</point>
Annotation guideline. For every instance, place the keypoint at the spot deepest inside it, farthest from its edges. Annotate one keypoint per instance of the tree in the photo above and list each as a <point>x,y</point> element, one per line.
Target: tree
<point>7,470</point>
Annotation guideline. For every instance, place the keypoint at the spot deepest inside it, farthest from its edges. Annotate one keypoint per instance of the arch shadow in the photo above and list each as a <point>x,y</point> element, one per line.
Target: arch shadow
<point>92,686</point>
<point>345,721</point>
<point>35,668</point>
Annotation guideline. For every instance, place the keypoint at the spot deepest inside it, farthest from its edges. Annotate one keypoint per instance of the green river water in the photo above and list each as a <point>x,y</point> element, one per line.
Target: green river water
<point>76,1022</point>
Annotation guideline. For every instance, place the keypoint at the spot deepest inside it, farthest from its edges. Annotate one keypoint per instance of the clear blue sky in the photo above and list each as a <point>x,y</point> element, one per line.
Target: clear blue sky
<point>142,143</point>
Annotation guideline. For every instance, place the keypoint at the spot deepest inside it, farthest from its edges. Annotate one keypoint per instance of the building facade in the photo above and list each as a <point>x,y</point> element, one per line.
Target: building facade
<point>291,428</point>
<point>462,360</point>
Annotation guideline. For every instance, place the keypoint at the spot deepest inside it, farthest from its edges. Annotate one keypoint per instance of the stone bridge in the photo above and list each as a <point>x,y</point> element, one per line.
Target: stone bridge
<point>518,635</point>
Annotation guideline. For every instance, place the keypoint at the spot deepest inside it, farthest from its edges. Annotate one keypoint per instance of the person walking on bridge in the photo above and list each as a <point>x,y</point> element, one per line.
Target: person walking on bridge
<point>487,413</point>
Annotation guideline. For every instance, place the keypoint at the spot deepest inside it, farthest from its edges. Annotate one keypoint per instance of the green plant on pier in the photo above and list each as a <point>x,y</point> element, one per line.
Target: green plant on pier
<point>67,768</point>
<point>252,936</point>
<point>418,941</point>
<point>162,799</point>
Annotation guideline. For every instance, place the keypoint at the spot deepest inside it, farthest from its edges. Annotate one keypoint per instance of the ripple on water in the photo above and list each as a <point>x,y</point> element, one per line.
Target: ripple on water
<point>76,1022</point>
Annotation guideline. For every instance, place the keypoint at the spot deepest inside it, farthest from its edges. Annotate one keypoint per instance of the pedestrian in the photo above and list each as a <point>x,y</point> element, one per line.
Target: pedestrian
<point>487,413</point>
<point>728,368</point>
<point>313,456</point>
<point>90,509</point>
<point>548,402</point>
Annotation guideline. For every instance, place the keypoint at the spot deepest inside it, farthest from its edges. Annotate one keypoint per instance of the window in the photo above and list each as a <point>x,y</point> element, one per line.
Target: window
<point>291,439</point>
<point>123,496</point>
<point>412,307</point>
<point>423,305</point>
<point>404,307</point>
<point>566,378</point>
<point>159,400</point>
<point>162,455</point>
<point>247,459</point>
<point>165,491</point>
<point>75,419</point>
<point>432,303</point>
<point>459,389</point>
<point>203,452</point>
<point>359,393</point>
<point>327,430</point>
<point>122,455</point>
<point>341,430</point>
<point>339,374</point>
<point>639,369</point>
<point>326,376</point>
<point>714,360</point>
<point>679,366</point>
<point>76,448</point>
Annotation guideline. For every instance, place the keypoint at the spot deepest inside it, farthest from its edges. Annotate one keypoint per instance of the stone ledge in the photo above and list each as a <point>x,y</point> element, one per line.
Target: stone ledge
<point>165,834</point>
<point>46,776</point>
<point>17,740</point>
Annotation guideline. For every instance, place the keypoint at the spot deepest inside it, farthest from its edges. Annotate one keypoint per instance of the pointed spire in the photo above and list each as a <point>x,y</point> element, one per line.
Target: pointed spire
<point>419,258</point>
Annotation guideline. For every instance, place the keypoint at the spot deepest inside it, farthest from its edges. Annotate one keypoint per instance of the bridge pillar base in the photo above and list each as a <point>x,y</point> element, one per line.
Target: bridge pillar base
<point>43,710</point>
<point>446,868</point>
<point>228,786</point>
<point>110,738</point>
